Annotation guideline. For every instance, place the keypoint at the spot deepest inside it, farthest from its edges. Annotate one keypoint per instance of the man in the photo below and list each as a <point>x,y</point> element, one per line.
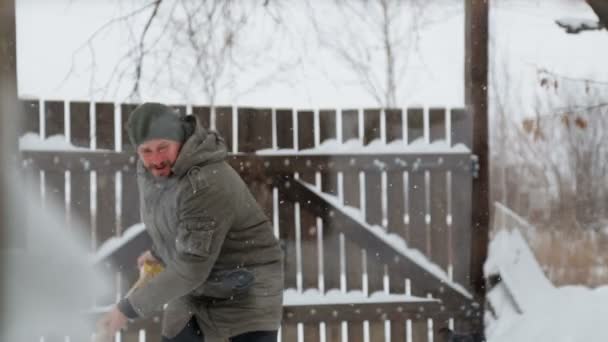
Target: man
<point>223,276</point>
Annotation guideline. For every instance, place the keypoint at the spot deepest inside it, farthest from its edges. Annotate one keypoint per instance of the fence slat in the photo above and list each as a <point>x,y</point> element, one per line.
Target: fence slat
<point>54,118</point>
<point>308,222</point>
<point>80,124</point>
<point>417,212</point>
<point>223,124</point>
<point>203,113</point>
<point>394,125</point>
<point>439,194</point>
<point>288,239</point>
<point>415,124</point>
<point>30,122</point>
<point>371,124</point>
<point>398,331</point>
<point>311,332</point>
<point>461,184</point>
<point>285,132</point>
<point>420,330</point>
<point>350,125</point>
<point>376,331</point>
<point>255,129</point>
<point>462,129</point>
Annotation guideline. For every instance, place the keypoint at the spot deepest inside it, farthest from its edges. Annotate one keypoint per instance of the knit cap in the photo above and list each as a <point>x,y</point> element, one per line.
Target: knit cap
<point>156,121</point>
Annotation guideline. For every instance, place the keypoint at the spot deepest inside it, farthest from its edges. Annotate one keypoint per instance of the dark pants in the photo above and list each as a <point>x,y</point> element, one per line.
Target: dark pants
<point>192,333</point>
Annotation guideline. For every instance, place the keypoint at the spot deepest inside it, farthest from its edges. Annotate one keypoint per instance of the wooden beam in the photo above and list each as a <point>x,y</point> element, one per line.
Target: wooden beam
<point>8,107</point>
<point>476,103</point>
<point>385,253</point>
<point>289,163</point>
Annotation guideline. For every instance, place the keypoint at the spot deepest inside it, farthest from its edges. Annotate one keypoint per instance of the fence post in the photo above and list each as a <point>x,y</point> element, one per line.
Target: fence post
<point>476,101</point>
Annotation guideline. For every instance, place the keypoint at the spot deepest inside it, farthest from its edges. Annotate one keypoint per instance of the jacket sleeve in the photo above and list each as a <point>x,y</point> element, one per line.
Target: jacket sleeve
<point>204,218</point>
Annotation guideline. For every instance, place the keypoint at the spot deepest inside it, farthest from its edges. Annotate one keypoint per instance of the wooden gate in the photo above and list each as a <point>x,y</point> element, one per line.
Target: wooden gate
<point>372,206</point>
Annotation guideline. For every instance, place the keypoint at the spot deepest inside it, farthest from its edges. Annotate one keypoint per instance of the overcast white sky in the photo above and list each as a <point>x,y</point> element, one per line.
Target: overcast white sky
<point>523,33</point>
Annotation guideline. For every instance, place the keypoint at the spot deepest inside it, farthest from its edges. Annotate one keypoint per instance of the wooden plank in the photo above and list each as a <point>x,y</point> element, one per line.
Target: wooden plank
<point>129,200</point>
<point>375,271</point>
<point>353,258</point>
<point>461,185</point>
<point>203,113</point>
<point>104,123</point>
<point>462,127</point>
<point>105,217</point>
<point>289,331</point>
<point>80,124</point>
<point>277,164</point>
<point>371,125</point>
<point>80,205</point>
<point>376,331</point>
<point>223,124</point>
<point>476,101</point>
<point>398,331</point>
<point>327,123</point>
<point>437,124</point>
<point>350,125</point>
<point>415,124</point>
<point>333,331</point>
<point>373,198</point>
<point>284,119</point>
<point>394,125</point>
<point>126,110</point>
<point>306,133</point>
<point>355,330</point>
<point>439,195</point>
<point>30,122</point>
<point>255,129</point>
<point>308,224</point>
<point>417,213</point>
<point>440,237</point>
<point>311,332</point>
<point>54,118</point>
<point>331,255</point>
<point>420,330</point>
<point>287,235</point>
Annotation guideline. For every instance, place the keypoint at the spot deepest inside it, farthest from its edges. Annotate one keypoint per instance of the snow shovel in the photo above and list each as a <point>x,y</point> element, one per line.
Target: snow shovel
<point>148,271</point>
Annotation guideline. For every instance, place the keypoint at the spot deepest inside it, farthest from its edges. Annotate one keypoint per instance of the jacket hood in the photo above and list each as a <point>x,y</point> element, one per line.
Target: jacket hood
<point>202,147</point>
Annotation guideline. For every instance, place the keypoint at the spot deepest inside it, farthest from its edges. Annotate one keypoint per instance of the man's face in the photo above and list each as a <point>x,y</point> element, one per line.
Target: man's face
<point>159,155</point>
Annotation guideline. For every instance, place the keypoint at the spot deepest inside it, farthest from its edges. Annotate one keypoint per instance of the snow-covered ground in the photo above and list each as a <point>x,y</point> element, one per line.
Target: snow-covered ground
<point>527,307</point>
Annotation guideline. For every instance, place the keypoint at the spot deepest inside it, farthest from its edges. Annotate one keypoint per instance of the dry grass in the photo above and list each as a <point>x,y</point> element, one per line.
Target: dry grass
<point>568,257</point>
<point>572,257</point>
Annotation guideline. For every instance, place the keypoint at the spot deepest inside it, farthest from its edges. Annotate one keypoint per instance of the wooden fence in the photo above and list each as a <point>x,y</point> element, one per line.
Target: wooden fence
<point>343,188</point>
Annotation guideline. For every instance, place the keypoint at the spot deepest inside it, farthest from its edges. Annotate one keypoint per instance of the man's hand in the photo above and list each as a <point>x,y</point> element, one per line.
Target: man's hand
<point>111,323</point>
<point>146,257</point>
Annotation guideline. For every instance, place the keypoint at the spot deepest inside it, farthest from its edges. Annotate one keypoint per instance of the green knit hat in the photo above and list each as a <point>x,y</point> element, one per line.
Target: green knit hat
<point>156,121</point>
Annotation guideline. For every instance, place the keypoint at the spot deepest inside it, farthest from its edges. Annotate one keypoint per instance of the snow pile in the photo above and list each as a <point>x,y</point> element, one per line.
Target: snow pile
<point>112,244</point>
<point>291,297</point>
<point>529,308</point>
<point>33,142</point>
<point>355,146</point>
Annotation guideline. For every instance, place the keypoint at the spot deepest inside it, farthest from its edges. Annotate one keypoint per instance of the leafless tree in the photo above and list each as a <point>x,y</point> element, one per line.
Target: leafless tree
<point>559,148</point>
<point>195,47</point>
<point>376,40</point>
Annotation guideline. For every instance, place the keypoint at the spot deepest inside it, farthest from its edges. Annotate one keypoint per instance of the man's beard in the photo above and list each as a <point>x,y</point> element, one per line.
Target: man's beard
<point>159,167</point>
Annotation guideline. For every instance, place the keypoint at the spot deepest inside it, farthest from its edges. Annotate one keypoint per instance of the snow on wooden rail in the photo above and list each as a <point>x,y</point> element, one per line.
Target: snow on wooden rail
<point>390,248</point>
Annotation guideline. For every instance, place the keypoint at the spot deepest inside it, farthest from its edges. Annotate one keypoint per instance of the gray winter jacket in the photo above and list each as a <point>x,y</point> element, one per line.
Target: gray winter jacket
<point>204,221</point>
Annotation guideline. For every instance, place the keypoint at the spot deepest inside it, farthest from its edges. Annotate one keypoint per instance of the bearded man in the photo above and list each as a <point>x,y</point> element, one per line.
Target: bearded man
<point>223,275</point>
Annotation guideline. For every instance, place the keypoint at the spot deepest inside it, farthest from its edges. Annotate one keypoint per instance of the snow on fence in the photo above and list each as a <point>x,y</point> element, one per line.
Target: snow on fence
<point>406,172</point>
